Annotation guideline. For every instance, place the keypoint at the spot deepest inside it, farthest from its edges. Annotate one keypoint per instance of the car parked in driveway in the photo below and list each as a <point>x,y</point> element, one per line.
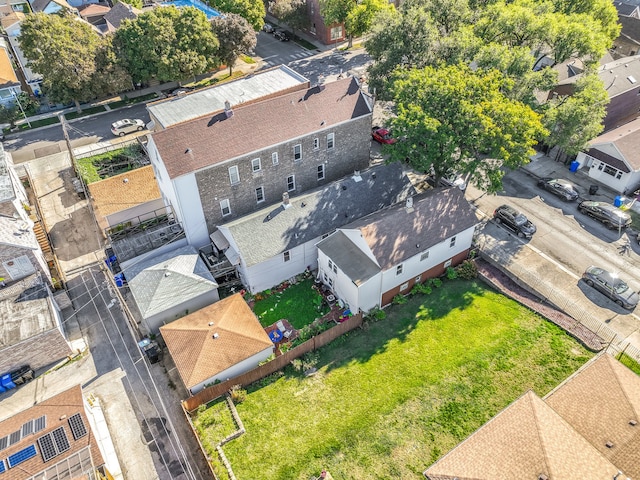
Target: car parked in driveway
<point>606,213</point>
<point>562,188</point>
<point>514,221</point>
<point>281,35</point>
<point>382,135</point>
<point>267,27</point>
<point>126,125</point>
<point>612,286</point>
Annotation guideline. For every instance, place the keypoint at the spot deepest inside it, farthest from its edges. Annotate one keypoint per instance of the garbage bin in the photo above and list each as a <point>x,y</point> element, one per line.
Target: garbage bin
<point>575,165</point>
<point>593,189</point>
<point>618,201</point>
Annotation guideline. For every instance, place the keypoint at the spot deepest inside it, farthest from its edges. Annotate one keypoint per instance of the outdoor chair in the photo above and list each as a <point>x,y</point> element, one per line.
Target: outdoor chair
<point>281,326</point>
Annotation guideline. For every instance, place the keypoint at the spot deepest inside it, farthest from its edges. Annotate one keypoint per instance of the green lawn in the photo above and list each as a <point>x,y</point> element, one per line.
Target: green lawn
<point>105,165</point>
<point>390,399</point>
<point>299,304</point>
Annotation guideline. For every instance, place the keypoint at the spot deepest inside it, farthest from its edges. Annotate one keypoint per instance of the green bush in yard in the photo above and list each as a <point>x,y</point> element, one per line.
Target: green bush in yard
<point>467,270</point>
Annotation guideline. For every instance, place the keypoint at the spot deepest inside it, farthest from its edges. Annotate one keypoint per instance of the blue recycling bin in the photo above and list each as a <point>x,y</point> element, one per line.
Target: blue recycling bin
<point>6,381</point>
<point>618,201</point>
<point>575,165</point>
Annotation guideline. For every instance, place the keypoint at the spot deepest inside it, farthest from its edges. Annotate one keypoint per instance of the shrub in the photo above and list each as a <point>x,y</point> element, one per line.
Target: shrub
<point>310,360</point>
<point>452,274</point>
<point>238,394</point>
<point>467,270</point>
<point>399,299</point>
<point>375,314</point>
<point>436,282</point>
<point>423,288</point>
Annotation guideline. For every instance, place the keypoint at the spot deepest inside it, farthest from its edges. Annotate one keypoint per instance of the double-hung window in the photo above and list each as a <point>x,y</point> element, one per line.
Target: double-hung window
<point>256,166</point>
<point>297,152</point>
<point>225,206</point>
<point>331,141</point>
<point>234,175</point>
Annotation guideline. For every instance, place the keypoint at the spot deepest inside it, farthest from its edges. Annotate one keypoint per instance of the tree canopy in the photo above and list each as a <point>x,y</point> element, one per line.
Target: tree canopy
<point>252,10</point>
<point>236,37</point>
<point>167,44</point>
<point>454,119</point>
<point>291,12</point>
<point>63,50</point>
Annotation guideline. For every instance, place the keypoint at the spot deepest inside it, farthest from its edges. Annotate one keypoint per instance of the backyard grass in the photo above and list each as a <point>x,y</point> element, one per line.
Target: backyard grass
<point>299,303</point>
<point>105,165</point>
<point>390,399</point>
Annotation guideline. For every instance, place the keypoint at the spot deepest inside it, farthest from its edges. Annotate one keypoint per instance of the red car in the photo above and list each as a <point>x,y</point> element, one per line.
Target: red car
<point>382,135</point>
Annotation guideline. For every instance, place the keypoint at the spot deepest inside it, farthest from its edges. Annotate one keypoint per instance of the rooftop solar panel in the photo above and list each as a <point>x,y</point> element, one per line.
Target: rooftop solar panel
<point>21,456</point>
<point>15,437</point>
<point>47,447</point>
<point>39,424</point>
<point>77,426</point>
<point>2,467</point>
<point>60,438</point>
<point>4,442</point>
<point>27,428</point>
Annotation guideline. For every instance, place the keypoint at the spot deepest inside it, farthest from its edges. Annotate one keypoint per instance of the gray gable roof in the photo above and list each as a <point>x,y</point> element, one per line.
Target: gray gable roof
<point>396,234</point>
<point>352,261</point>
<point>121,11</point>
<point>273,230</point>
<point>168,279</point>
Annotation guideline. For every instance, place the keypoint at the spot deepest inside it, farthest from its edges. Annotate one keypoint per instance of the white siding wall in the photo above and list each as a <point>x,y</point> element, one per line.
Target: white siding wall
<point>144,211</point>
<point>238,369</point>
<point>162,177</point>
<point>154,322</point>
<point>437,254</point>
<point>623,184</point>
<point>191,211</point>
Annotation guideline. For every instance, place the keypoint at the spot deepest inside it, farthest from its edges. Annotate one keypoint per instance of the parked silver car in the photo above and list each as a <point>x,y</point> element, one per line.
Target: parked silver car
<point>612,286</point>
<point>606,213</point>
<point>126,125</point>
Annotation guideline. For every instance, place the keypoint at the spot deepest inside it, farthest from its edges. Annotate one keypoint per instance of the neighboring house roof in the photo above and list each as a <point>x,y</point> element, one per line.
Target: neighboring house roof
<point>351,260</point>
<point>17,233</point>
<point>171,278</point>
<point>261,85</point>
<point>214,338</point>
<point>526,440</point>
<point>41,5</point>
<point>93,10</point>
<point>121,11</point>
<point>396,234</point>
<point>7,191</point>
<point>626,9</point>
<point>25,311</point>
<point>618,76</point>
<point>63,414</point>
<point>123,191</point>
<point>600,401</point>
<point>11,19</point>
<point>625,140</point>
<point>209,140</point>
<point>316,213</point>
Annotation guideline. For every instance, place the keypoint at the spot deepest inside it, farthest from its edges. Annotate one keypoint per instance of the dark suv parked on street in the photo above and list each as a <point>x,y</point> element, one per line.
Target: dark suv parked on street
<point>606,213</point>
<point>562,188</point>
<point>514,220</point>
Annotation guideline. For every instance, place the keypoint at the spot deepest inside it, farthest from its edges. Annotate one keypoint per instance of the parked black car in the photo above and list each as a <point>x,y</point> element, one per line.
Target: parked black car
<point>612,286</point>
<point>606,213</point>
<point>282,35</point>
<point>562,188</point>
<point>514,220</point>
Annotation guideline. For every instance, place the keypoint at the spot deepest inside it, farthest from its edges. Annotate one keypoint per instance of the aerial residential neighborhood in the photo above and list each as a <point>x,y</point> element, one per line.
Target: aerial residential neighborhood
<point>305,239</point>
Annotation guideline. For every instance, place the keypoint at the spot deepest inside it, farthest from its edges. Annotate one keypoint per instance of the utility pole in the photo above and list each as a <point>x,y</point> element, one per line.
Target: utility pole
<point>20,106</point>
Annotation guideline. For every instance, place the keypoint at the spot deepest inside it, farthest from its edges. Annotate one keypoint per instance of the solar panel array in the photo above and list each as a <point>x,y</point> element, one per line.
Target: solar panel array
<point>77,426</point>
<point>32,426</point>
<point>21,456</point>
<point>2,467</point>
<point>53,444</point>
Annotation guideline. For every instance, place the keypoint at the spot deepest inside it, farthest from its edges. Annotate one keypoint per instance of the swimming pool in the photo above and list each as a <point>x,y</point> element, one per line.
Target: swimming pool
<point>203,7</point>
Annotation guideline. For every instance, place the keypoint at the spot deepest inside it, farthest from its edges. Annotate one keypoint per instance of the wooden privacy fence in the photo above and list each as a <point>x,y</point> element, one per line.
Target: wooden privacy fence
<point>211,393</point>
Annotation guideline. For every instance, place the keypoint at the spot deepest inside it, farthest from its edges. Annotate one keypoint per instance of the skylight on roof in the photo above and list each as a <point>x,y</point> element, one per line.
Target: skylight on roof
<point>632,79</point>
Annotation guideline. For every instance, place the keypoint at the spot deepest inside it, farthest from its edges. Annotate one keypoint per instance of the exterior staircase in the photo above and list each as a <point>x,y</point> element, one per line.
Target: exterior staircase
<point>43,239</point>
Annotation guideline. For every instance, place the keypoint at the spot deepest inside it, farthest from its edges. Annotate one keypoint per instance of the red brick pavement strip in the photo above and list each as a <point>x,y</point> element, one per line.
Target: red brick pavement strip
<point>500,281</point>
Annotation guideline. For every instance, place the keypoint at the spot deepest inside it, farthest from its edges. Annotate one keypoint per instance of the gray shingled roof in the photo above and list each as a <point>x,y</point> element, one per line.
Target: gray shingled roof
<point>349,258</point>
<point>324,210</point>
<point>203,102</point>
<point>615,75</point>
<point>168,279</point>
<point>396,234</point>
<point>625,140</point>
<point>214,138</point>
<point>119,12</point>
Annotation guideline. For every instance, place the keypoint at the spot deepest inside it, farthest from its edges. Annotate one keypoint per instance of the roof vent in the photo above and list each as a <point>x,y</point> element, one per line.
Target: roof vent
<point>125,180</point>
<point>215,335</point>
<point>285,200</point>
<point>409,205</point>
<point>609,444</point>
<point>373,175</point>
<point>344,187</point>
<point>188,150</point>
<point>211,324</point>
<point>633,423</point>
<point>227,109</point>
<point>542,476</point>
<point>356,176</point>
<point>632,79</point>
<point>166,274</point>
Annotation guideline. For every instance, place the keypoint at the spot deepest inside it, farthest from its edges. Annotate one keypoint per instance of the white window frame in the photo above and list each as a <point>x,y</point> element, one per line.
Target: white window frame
<point>292,182</point>
<point>336,32</point>
<point>335,268</point>
<point>274,158</point>
<point>297,152</point>
<point>404,286</point>
<point>256,163</point>
<point>331,141</point>
<point>320,172</point>
<point>286,256</point>
<point>316,144</point>
<point>225,204</point>
<point>399,269</point>
<point>447,264</point>
<point>330,263</point>
<point>424,256</point>
<point>452,242</point>
<point>234,172</point>
<point>261,190</point>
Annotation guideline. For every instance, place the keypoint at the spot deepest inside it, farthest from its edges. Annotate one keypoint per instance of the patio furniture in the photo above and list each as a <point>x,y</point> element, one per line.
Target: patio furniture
<point>281,326</point>
<point>275,336</point>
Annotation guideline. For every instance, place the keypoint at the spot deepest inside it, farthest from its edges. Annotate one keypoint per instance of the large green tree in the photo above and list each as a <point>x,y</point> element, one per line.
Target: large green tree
<point>110,77</point>
<point>236,37</point>
<point>167,44</point>
<point>336,12</point>
<point>291,12</point>
<point>574,120</point>
<point>63,50</point>
<point>452,118</point>
<point>360,19</point>
<point>252,10</point>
